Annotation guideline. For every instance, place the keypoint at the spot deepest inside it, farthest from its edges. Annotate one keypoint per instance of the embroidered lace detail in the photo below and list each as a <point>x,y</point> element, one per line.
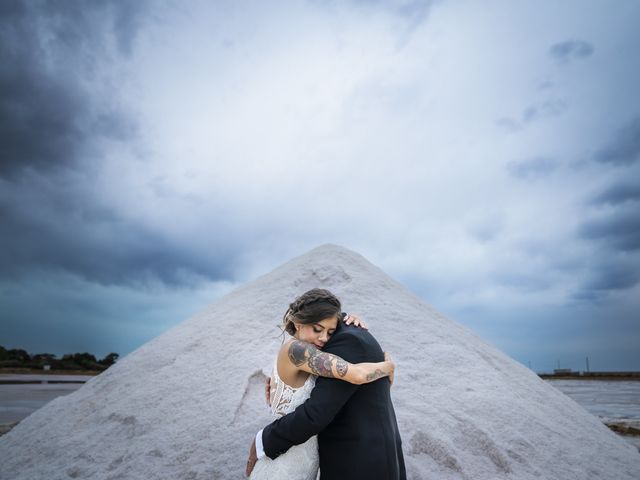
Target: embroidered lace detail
<point>300,462</point>
<point>284,398</point>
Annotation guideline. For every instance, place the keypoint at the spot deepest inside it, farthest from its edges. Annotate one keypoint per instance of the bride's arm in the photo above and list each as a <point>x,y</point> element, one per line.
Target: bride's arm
<point>309,358</point>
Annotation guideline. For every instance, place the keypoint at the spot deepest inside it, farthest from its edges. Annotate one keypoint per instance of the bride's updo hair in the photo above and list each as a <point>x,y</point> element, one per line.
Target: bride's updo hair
<point>311,307</point>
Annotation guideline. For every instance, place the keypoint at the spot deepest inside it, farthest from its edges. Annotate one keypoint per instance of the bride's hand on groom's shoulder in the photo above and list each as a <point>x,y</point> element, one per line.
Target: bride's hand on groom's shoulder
<point>352,318</point>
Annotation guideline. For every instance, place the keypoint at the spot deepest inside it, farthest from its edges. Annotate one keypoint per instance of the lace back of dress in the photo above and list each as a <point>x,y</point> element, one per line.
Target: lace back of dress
<point>284,398</point>
<point>300,462</point>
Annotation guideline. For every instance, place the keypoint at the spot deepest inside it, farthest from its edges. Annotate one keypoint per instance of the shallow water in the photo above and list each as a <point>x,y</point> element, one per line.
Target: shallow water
<point>21,400</point>
<point>610,400</point>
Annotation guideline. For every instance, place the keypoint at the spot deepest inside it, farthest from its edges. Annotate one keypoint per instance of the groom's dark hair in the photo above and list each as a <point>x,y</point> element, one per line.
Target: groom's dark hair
<point>311,307</point>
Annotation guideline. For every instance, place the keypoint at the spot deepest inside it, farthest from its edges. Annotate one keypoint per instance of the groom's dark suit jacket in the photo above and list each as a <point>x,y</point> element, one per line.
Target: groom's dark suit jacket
<point>356,425</point>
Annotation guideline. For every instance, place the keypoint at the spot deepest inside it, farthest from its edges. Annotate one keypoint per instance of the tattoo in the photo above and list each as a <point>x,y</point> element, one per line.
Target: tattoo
<point>320,363</point>
<point>376,375</point>
<point>298,352</point>
<point>342,366</point>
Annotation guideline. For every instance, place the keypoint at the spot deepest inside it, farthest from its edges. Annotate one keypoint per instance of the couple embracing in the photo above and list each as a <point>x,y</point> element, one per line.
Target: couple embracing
<point>330,397</point>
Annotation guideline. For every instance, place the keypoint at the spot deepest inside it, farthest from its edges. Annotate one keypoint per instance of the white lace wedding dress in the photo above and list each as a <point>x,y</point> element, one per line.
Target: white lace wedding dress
<point>300,462</point>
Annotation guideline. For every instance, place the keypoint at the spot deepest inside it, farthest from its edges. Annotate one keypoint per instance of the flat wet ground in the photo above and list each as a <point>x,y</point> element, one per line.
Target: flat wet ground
<point>613,401</point>
<point>19,400</point>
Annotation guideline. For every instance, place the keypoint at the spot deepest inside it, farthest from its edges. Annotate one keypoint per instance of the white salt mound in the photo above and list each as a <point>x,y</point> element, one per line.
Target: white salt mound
<point>187,404</point>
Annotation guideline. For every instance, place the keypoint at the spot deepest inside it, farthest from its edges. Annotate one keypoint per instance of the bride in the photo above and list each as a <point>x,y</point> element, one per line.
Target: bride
<point>310,320</point>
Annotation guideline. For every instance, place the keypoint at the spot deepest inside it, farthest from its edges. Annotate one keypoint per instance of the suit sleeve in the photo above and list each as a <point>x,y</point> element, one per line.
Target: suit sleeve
<point>327,398</point>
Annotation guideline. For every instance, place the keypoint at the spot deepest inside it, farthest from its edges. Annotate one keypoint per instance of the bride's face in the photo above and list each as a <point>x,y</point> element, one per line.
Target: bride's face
<point>317,333</point>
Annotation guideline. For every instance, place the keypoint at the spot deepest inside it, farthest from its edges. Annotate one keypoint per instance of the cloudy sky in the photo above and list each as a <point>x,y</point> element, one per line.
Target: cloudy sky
<point>154,155</point>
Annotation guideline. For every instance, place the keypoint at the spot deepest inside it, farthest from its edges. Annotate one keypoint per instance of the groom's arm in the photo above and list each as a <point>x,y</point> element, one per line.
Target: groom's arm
<point>327,398</point>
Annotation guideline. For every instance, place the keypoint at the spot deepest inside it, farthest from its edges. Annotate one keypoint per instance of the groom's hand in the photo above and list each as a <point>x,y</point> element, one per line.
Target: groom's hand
<point>253,458</point>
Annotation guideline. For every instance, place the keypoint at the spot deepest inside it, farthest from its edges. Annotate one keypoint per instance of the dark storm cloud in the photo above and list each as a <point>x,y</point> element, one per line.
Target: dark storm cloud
<point>46,47</point>
<point>52,120</point>
<point>614,277</point>
<point>618,194</point>
<point>568,50</point>
<point>51,230</point>
<point>127,20</point>
<point>618,231</point>
<point>522,281</point>
<point>624,148</point>
<point>532,168</point>
<point>604,278</point>
<point>615,230</point>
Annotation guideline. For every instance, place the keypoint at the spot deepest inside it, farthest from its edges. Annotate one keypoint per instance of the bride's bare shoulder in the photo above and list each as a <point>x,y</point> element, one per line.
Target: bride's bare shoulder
<point>284,348</point>
<point>293,348</point>
<point>290,372</point>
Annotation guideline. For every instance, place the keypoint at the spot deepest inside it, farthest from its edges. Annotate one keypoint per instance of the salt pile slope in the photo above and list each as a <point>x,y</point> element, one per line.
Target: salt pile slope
<point>187,404</point>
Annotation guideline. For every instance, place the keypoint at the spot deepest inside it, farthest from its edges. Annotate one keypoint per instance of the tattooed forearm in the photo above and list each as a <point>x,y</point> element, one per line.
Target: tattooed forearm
<point>375,375</point>
<point>342,367</point>
<point>318,362</point>
<point>298,352</point>
<point>321,364</point>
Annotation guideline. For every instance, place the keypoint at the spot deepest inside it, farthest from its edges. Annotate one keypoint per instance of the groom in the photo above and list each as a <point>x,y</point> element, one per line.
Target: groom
<point>356,425</point>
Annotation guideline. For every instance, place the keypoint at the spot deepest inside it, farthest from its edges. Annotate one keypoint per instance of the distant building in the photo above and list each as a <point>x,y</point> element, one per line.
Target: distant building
<point>562,371</point>
<point>46,368</point>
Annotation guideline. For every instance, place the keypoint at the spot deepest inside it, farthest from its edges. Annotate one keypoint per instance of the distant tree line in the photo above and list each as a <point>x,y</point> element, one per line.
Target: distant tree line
<point>17,358</point>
